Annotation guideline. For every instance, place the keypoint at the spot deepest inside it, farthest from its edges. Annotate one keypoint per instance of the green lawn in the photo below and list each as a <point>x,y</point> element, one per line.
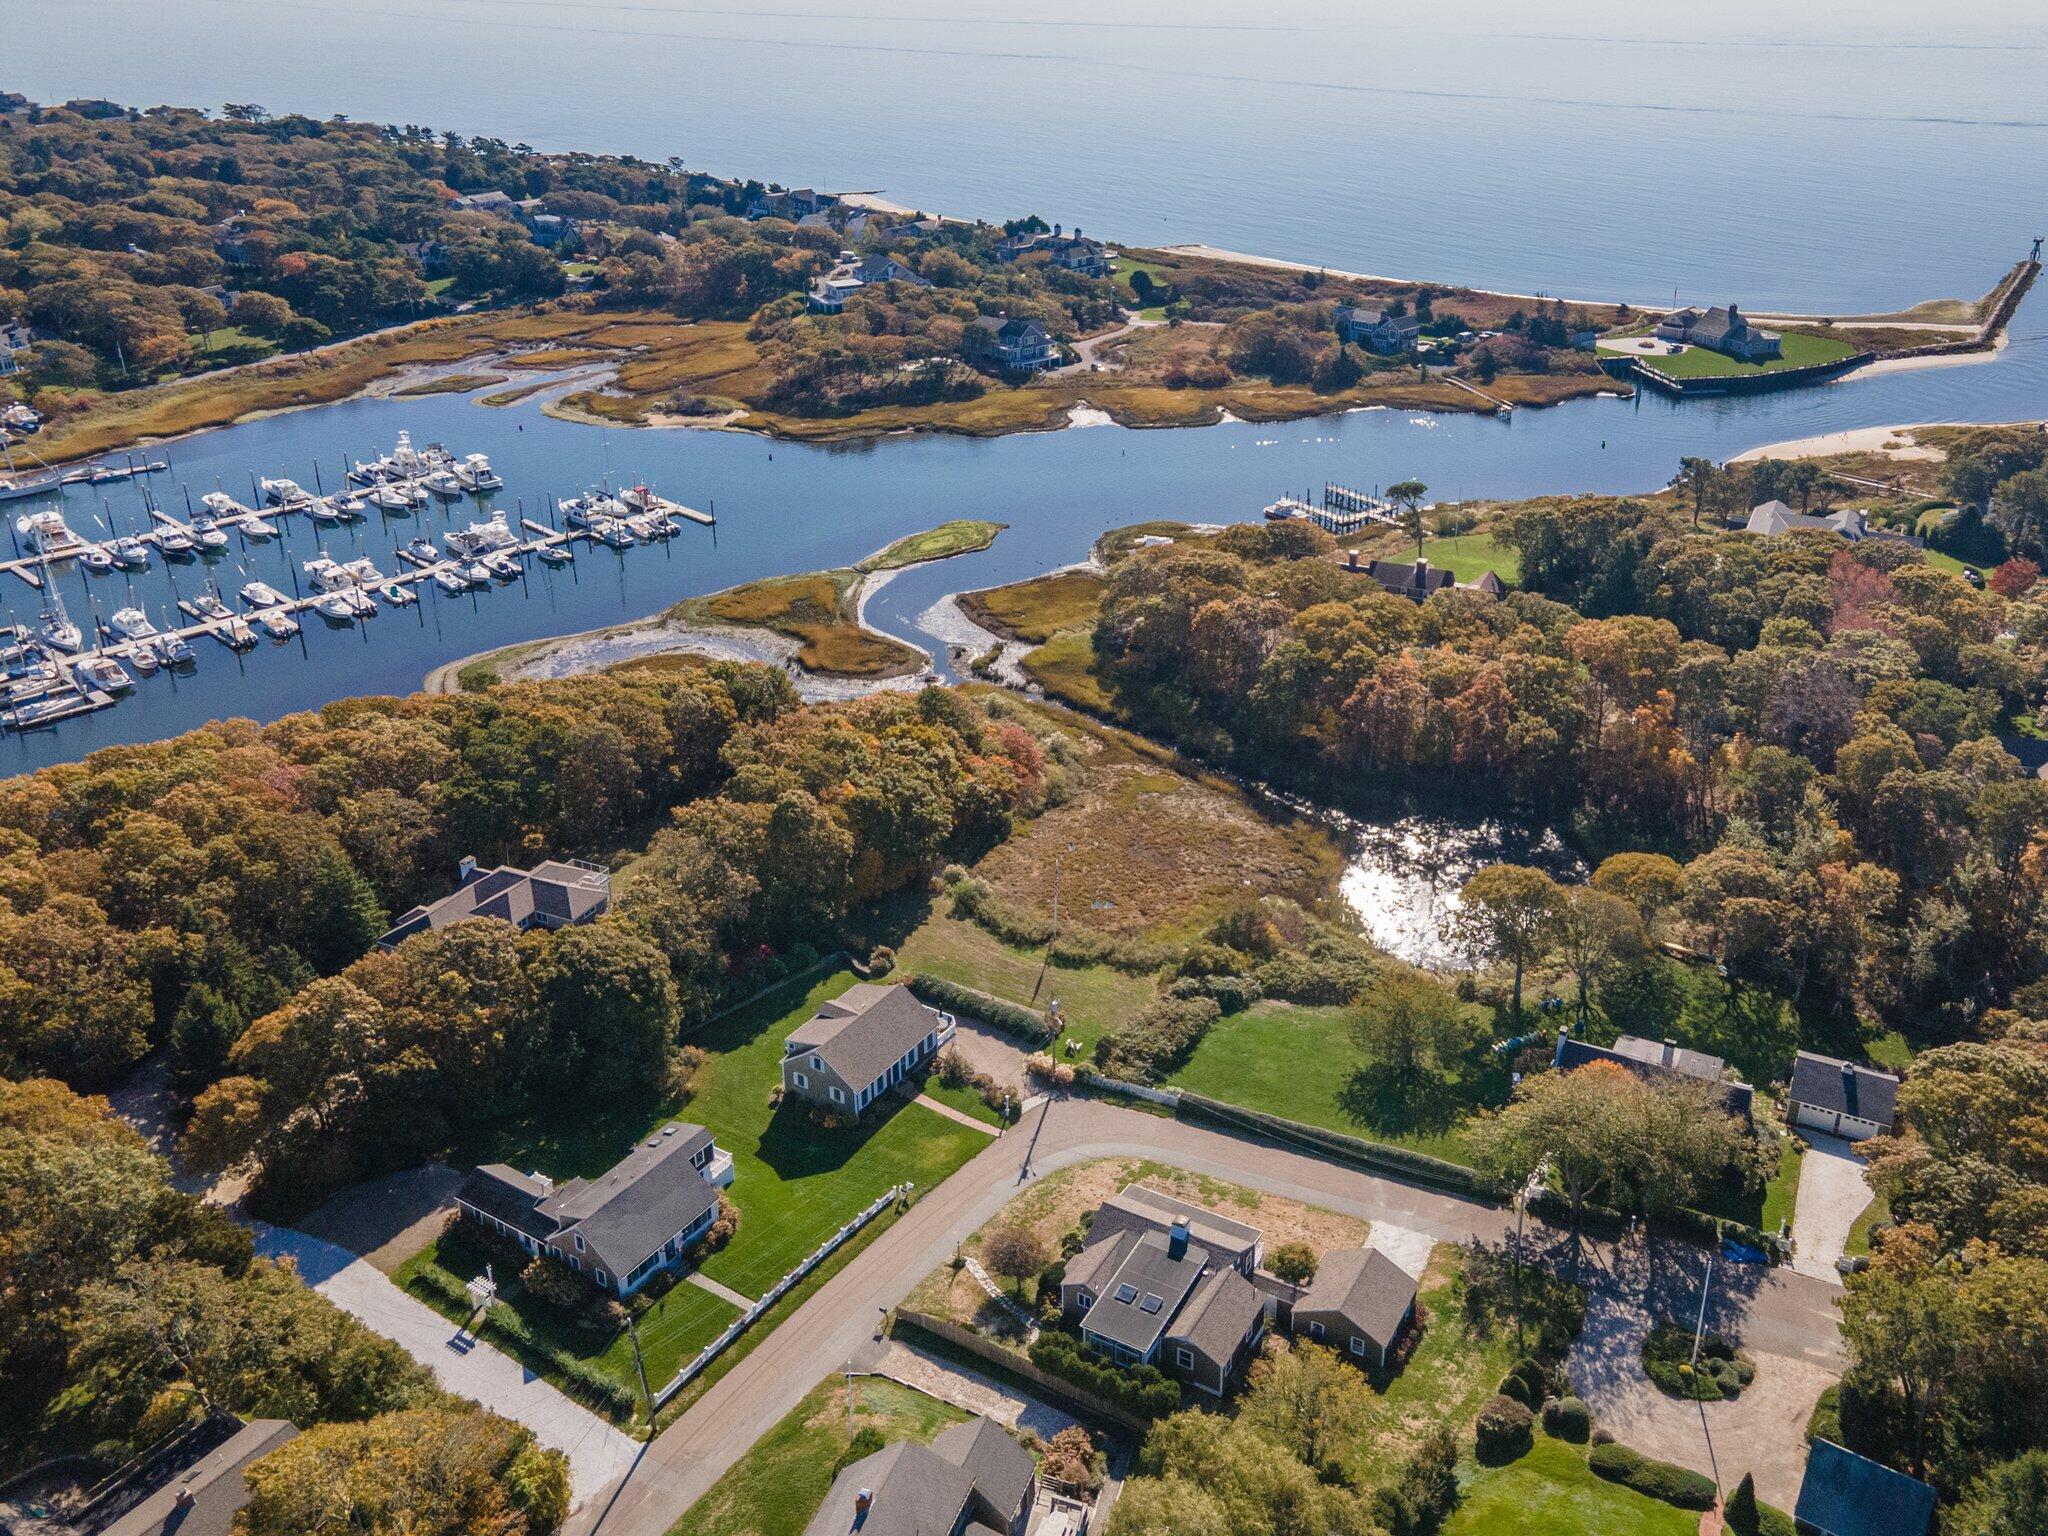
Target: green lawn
<point>780,1483</point>
<point>439,285</point>
<point>673,1330</point>
<point>1256,1058</point>
<point>1858,1244</point>
<point>1065,668</point>
<point>230,344</point>
<point>1942,562</point>
<point>966,1100</point>
<point>1781,1194</point>
<point>1551,1491</point>
<point>1798,352</point>
<point>1469,556</point>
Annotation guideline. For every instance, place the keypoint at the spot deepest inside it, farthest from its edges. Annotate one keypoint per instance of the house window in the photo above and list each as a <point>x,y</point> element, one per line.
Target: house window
<point>801,1080</point>
<point>817,1063</point>
<point>1315,1330</point>
<point>600,1277</point>
<point>838,1097</point>
<point>1357,1346</point>
<point>1184,1358</point>
<point>579,1243</point>
<point>575,1264</point>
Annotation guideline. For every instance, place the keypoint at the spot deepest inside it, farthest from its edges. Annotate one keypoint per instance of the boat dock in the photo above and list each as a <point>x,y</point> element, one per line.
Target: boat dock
<point>1341,510</point>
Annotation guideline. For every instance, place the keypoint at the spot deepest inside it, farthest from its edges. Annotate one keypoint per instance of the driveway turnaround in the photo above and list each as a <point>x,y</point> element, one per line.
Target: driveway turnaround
<point>1832,1194</point>
<point>599,1455</point>
<point>1773,1312</point>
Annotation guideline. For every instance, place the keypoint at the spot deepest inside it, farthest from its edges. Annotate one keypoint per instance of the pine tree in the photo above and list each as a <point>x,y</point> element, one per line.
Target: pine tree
<point>1741,1514</point>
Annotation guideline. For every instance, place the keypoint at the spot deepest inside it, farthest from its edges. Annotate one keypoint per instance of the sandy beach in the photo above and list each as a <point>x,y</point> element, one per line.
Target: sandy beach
<point>1893,442</point>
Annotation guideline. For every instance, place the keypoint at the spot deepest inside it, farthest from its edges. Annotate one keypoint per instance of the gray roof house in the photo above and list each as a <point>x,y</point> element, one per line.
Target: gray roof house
<point>1842,1098</point>
<point>1358,1304</point>
<point>972,1478</point>
<point>1376,330</point>
<point>859,1045</point>
<point>1852,523</point>
<point>550,895</point>
<point>1138,1208</point>
<point>1014,344</point>
<point>636,1218</point>
<point>1143,1297</point>
<point>204,1499</point>
<point>883,268</point>
<point>1844,1494</point>
<point>1726,331</point>
<point>1651,1059</point>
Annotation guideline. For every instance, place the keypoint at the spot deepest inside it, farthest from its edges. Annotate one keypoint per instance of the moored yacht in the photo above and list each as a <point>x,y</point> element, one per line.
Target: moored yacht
<point>48,534</point>
<point>474,473</point>
<point>130,624</point>
<point>261,594</point>
<point>283,493</point>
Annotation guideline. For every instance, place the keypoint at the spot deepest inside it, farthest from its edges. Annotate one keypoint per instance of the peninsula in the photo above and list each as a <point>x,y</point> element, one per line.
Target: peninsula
<point>214,269</point>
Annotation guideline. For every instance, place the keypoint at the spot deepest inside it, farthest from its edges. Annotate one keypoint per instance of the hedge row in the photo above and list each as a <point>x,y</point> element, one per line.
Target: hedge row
<point>1658,1479</point>
<point>1143,1391</point>
<point>995,1012</point>
<point>1684,1222</point>
<point>1377,1156</point>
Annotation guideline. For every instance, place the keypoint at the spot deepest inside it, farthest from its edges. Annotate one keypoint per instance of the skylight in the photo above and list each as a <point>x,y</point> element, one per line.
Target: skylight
<point>1151,1303</point>
<point>1127,1293</point>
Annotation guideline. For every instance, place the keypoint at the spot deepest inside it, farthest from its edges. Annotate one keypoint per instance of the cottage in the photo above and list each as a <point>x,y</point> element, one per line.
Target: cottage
<point>1655,1059</point>
<point>1844,1494</point>
<point>1842,1098</point>
<point>638,1217</point>
<point>795,204</point>
<point>1072,253</point>
<point>883,268</point>
<point>500,204</point>
<point>1137,1208</point>
<point>1419,581</point>
<point>430,256</point>
<point>1146,1298</point>
<point>1720,330</point>
<point>204,1499</point>
<point>1359,1304</point>
<point>550,895</point>
<point>1772,518</point>
<point>973,1477</point>
<point>1012,345</point>
<point>1376,330</point>
<point>859,1045</point>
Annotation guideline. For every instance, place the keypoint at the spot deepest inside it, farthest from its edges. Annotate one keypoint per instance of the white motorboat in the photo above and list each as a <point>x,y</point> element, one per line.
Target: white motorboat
<point>128,552</point>
<point>95,558</point>
<point>327,574</point>
<point>502,565</point>
<point>347,506</point>
<point>32,682</point>
<point>613,534</point>
<point>275,623</point>
<point>261,594</point>
<point>207,534</point>
<point>283,493</point>
<point>442,483</point>
<point>393,496</point>
<point>336,606</point>
<point>234,633</point>
<point>420,552</point>
<point>21,417</point>
<point>450,580</point>
<point>130,624</point>
<point>589,511</point>
<point>172,651</point>
<point>104,673</point>
<point>48,534</point>
<point>474,473</point>
<point>207,606</point>
<point>557,554</point>
<point>257,529</point>
<point>221,504</point>
<point>475,573</point>
<point>397,594</point>
<point>479,538</point>
<point>144,660</point>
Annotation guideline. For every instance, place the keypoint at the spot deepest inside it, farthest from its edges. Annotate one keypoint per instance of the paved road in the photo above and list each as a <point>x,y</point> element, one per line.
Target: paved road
<point>1775,1312</point>
<point>599,1455</point>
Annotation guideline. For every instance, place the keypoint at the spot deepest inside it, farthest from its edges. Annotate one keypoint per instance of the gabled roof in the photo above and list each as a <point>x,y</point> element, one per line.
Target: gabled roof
<point>558,892</point>
<point>1139,1208</point>
<point>1650,1059</point>
<point>1844,1087</point>
<point>1400,576</point>
<point>864,1031</point>
<point>1135,1306</point>
<point>215,1482</point>
<point>639,1203</point>
<point>510,1196</point>
<point>1001,1469</point>
<point>1670,1055</point>
<point>1364,1287</point>
<point>913,1491</point>
<point>1844,1494</point>
<point>1220,1313</point>
<point>1092,1267</point>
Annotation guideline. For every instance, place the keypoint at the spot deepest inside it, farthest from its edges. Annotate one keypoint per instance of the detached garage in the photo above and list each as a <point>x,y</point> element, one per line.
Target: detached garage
<point>1841,1098</point>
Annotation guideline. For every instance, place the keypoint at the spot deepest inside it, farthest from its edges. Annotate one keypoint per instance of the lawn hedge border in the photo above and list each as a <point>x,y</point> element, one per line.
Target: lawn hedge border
<point>1375,1156</point>
<point>1660,1480</point>
<point>996,1012</point>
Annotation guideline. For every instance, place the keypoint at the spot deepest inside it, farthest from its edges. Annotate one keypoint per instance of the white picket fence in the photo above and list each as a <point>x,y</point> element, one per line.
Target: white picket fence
<point>775,1293</point>
<point>1162,1096</point>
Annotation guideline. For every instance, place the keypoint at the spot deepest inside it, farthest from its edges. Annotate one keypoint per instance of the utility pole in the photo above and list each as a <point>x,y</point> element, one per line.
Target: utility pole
<point>1699,1328</point>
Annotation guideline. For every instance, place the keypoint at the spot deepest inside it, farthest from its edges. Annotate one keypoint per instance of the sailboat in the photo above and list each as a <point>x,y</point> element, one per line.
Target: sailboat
<point>58,632</point>
<point>16,483</point>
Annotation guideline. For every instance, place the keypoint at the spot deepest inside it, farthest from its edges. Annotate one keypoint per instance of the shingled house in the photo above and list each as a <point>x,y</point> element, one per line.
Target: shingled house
<point>1359,1304</point>
<point>1843,1098</point>
<point>1726,331</point>
<point>1012,344</point>
<point>1376,330</point>
<point>972,1479</point>
<point>204,1499</point>
<point>859,1045</point>
<point>619,1229</point>
<point>1652,1059</point>
<point>1161,1282</point>
<point>550,895</point>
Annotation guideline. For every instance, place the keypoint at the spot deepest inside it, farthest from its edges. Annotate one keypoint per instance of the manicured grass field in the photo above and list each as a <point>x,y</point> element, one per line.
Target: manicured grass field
<point>1469,556</point>
<point>962,536</point>
<point>776,1488</point>
<point>1799,351</point>
<point>1256,1059</point>
<point>1551,1490</point>
<point>1036,610</point>
<point>1781,1194</point>
<point>1858,1243</point>
<point>231,344</point>
<point>966,1100</point>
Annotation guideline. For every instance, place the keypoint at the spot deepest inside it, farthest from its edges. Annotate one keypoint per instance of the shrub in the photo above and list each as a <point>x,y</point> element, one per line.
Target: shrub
<point>551,1281</point>
<point>1825,1422</point>
<point>1233,994</point>
<point>1142,1391</point>
<point>1504,1430</point>
<point>992,1011</point>
<point>720,1232</point>
<point>866,1441</point>
<point>1721,1373</point>
<point>1526,1382</point>
<point>1425,1492</point>
<point>1158,1040</point>
<point>1657,1479</point>
<point>1294,1262</point>
<point>1567,1418</point>
<point>682,1072</point>
<point>1071,1457</point>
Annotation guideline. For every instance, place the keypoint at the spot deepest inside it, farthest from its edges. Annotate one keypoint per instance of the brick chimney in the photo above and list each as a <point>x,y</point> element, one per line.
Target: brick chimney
<point>1670,1050</point>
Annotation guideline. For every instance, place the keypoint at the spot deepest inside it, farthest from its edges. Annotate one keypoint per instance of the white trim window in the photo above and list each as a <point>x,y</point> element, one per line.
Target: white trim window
<point>1183,1357</point>
<point>1358,1346</point>
<point>838,1097</point>
<point>800,1080</point>
<point>600,1277</point>
<point>1315,1330</point>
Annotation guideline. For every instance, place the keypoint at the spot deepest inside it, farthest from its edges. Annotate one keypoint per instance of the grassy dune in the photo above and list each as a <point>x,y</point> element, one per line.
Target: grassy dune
<point>815,609</point>
<point>962,536</point>
<point>1036,610</point>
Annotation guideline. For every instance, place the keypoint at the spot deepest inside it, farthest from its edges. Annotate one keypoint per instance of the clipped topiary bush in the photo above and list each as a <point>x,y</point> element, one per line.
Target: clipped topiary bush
<point>1505,1430</point>
<point>1659,1480</point>
<point>1567,1418</point>
<point>1526,1382</point>
<point>1721,1372</point>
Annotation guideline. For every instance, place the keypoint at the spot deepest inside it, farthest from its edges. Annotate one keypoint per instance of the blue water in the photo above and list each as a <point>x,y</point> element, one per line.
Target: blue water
<point>1836,155</point>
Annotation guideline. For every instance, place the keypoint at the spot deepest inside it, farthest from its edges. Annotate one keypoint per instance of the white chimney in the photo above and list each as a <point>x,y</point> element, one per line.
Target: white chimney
<point>466,870</point>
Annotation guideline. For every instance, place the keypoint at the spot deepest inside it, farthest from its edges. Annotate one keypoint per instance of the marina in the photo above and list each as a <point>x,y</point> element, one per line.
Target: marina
<point>58,670</point>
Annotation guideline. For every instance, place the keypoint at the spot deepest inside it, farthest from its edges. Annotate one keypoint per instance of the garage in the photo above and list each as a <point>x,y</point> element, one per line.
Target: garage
<point>1841,1098</point>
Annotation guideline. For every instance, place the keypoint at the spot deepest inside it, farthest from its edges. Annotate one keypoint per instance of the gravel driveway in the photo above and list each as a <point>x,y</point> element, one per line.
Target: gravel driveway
<point>1832,1194</point>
